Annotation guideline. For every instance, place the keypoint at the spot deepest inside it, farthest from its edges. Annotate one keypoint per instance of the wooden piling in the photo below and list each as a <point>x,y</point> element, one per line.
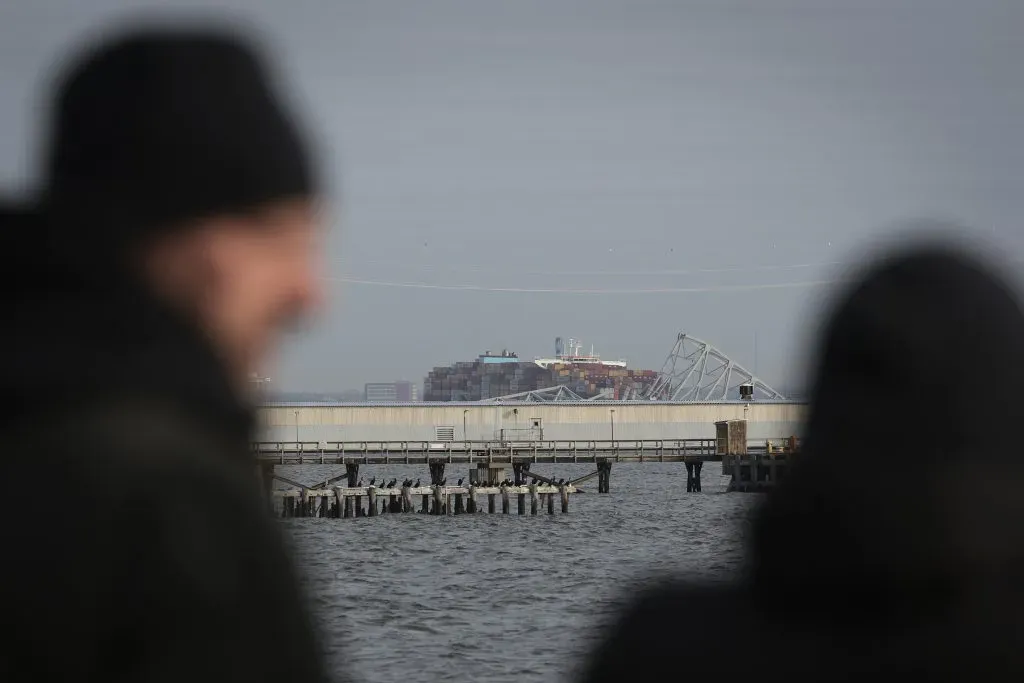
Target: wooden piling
<point>438,499</point>
<point>425,505</point>
<point>490,504</point>
<point>533,499</point>
<point>371,506</point>
<point>459,507</point>
<point>359,506</point>
<point>407,505</point>
<point>352,474</point>
<point>522,503</point>
<point>339,500</point>
<point>267,480</point>
<point>471,503</point>
<point>504,500</point>
<point>604,476</point>
<point>565,498</point>
<point>551,503</point>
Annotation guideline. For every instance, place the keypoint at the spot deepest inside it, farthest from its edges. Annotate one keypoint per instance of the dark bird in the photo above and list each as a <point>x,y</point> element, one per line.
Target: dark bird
<point>417,484</point>
<point>391,484</point>
<point>360,483</point>
<point>459,482</point>
<point>561,482</point>
<point>372,481</point>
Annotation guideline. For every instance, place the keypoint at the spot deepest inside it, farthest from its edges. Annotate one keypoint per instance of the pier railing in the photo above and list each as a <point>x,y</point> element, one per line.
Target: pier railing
<point>548,451</point>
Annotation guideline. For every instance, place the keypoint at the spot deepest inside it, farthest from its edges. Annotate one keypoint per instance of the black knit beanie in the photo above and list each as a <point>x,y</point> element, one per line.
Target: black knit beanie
<point>159,127</point>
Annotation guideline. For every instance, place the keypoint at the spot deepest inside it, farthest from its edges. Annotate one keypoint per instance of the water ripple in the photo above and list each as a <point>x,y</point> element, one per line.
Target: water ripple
<point>504,598</point>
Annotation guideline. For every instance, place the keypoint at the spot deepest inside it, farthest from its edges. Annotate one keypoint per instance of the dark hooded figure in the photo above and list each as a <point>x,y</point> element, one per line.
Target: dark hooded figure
<point>172,241</point>
<point>896,545</point>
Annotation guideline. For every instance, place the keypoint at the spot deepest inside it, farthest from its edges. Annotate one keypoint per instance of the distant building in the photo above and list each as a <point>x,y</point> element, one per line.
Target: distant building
<point>390,392</point>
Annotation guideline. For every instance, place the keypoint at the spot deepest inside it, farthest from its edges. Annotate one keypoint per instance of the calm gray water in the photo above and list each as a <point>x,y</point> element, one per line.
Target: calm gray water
<point>506,598</point>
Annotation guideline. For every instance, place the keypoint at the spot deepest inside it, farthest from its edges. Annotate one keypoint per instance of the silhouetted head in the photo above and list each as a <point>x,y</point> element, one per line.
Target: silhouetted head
<point>908,496</point>
<point>172,156</point>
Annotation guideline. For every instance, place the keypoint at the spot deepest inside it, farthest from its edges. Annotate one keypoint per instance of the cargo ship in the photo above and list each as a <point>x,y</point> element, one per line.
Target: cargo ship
<point>494,375</point>
<point>575,356</point>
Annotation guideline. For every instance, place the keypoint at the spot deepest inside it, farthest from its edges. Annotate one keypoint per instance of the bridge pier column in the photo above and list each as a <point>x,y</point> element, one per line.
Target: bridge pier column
<point>352,472</point>
<point>436,473</point>
<point>604,476</point>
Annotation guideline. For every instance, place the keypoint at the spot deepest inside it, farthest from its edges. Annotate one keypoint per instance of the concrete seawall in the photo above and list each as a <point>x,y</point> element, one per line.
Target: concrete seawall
<point>522,421</point>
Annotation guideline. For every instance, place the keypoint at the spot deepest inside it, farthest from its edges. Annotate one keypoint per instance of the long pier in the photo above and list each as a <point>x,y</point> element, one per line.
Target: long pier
<point>424,452</point>
<point>753,466</point>
<point>489,457</point>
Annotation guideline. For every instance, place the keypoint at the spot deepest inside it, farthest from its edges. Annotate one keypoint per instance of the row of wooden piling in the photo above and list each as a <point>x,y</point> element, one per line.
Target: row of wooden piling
<point>755,473</point>
<point>342,502</point>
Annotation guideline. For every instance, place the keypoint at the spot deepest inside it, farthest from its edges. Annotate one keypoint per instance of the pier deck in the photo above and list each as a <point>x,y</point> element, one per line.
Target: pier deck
<point>480,452</point>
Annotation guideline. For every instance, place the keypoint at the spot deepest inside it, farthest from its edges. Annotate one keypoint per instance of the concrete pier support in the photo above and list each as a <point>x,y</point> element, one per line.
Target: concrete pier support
<point>604,476</point>
<point>693,476</point>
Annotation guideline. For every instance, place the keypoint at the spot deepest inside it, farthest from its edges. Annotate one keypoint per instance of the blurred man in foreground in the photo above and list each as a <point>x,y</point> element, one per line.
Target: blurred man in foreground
<point>173,242</point>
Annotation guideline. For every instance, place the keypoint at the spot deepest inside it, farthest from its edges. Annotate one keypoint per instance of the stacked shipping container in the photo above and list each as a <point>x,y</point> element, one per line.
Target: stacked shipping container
<point>488,377</point>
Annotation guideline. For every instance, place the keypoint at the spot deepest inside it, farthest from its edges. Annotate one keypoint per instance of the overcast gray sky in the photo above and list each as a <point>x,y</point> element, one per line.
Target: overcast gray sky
<point>597,145</point>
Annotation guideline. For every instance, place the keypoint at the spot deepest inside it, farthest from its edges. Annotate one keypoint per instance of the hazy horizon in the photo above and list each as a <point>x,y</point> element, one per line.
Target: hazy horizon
<point>505,173</point>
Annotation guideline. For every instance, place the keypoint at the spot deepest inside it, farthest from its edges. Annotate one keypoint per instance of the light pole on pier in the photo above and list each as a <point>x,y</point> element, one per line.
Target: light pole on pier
<point>296,429</point>
<point>612,415</point>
